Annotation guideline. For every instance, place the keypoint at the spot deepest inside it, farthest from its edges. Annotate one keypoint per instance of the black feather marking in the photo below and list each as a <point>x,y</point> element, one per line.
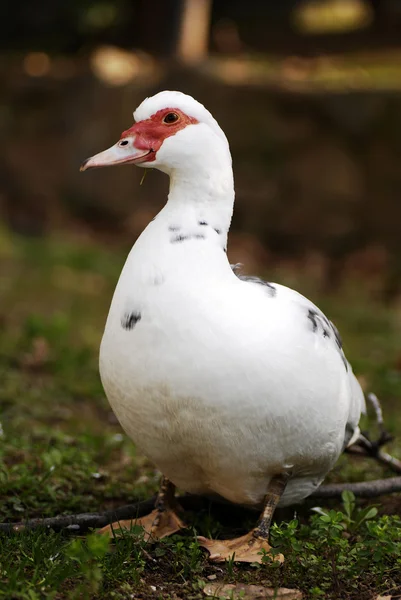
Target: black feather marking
<point>218,231</point>
<point>129,320</point>
<point>312,315</point>
<point>182,238</point>
<point>272,291</point>
<point>179,238</point>
<point>174,227</point>
<point>202,223</point>
<point>328,329</point>
<point>337,335</point>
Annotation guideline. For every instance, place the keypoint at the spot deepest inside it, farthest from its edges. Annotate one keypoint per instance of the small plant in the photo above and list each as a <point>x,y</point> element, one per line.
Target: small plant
<point>88,555</point>
<point>353,517</point>
<point>230,565</point>
<point>184,554</point>
<point>336,549</point>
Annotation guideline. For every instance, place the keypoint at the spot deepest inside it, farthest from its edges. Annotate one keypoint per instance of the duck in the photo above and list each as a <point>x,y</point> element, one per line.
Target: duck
<point>234,387</point>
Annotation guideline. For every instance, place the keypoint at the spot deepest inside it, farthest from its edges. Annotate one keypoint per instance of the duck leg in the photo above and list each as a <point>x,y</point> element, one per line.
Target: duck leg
<point>249,547</point>
<point>161,522</point>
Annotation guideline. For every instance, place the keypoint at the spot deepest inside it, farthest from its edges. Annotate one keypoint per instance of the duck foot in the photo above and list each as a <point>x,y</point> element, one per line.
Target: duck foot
<point>246,548</point>
<point>252,546</point>
<point>160,523</point>
<point>156,525</point>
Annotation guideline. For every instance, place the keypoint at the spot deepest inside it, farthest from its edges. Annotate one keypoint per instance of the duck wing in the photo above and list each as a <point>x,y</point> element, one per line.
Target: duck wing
<point>320,325</point>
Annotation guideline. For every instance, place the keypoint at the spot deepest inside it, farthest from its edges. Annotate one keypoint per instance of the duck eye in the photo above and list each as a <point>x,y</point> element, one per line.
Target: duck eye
<point>171,118</point>
<point>123,143</point>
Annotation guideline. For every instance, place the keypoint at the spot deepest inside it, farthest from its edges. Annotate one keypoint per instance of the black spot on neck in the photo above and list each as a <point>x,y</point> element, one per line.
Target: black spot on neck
<point>182,238</point>
<point>179,238</point>
<point>203,223</point>
<point>129,320</point>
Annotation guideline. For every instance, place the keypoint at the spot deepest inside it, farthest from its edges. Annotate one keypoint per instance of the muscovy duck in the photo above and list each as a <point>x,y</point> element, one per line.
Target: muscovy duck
<point>232,386</point>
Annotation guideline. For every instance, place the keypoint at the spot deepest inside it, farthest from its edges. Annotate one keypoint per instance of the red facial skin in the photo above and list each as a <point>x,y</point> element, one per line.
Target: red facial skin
<point>150,134</point>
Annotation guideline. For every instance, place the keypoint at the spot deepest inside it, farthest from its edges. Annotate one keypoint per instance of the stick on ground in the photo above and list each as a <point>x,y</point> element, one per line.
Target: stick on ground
<point>81,523</point>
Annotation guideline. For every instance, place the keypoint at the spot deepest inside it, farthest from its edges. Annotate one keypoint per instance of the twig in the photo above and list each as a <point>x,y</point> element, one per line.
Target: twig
<point>84,521</point>
<point>364,489</point>
<point>364,446</point>
<point>81,523</point>
<point>385,436</point>
<point>392,462</point>
<point>359,449</point>
<point>375,402</point>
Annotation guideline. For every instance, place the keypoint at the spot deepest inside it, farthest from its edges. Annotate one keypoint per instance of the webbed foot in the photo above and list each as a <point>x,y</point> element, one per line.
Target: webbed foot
<point>157,525</point>
<point>252,546</point>
<point>246,548</point>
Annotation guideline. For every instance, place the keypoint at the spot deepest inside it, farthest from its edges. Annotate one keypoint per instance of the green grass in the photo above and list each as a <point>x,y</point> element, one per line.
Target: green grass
<point>62,450</point>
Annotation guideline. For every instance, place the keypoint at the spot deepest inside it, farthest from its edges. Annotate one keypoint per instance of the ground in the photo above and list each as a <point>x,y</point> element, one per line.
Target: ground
<point>62,450</point>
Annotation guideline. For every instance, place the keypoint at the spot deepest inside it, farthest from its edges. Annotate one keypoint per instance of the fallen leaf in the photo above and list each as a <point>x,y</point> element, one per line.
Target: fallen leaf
<point>249,592</point>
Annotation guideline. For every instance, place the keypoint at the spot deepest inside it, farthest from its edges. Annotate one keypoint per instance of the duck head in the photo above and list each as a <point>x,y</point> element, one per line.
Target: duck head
<point>171,128</point>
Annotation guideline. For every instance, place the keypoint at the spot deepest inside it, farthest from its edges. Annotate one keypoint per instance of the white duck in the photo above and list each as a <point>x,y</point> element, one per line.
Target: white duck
<point>231,386</point>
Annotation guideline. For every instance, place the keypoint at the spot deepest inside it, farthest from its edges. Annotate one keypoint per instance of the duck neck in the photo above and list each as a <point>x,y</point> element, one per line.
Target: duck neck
<point>202,195</point>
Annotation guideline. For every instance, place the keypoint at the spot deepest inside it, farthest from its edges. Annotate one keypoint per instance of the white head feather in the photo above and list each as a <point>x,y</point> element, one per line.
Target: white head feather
<point>172,99</point>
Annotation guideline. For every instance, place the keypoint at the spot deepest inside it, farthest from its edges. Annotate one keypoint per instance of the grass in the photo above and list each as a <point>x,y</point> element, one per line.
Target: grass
<point>62,450</point>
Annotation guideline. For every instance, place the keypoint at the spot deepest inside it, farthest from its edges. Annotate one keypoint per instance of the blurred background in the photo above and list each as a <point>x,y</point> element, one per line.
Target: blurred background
<point>308,92</point>
<point>309,95</point>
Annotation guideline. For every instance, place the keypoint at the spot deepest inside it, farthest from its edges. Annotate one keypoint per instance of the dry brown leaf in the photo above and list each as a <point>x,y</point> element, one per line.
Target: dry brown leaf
<point>249,592</point>
<point>384,597</point>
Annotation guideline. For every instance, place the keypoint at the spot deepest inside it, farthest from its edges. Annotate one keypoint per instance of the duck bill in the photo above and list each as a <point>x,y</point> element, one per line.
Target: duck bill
<point>116,155</point>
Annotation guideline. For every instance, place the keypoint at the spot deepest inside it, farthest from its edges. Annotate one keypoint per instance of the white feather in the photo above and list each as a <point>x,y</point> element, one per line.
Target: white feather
<point>220,383</point>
